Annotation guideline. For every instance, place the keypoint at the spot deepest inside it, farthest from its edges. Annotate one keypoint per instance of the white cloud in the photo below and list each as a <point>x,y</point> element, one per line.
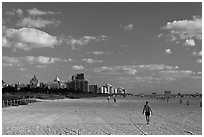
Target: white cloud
<point>160,35</point>
<point>19,12</point>
<point>200,73</point>
<point>157,76</point>
<point>127,27</point>
<point>20,61</point>
<point>149,67</point>
<point>168,51</point>
<point>37,12</point>
<point>133,69</point>
<point>92,61</point>
<point>41,66</point>
<point>186,29</point>
<point>44,60</point>
<point>36,23</point>
<point>199,60</point>
<point>22,69</point>
<point>28,38</point>
<point>78,43</point>
<point>115,70</point>
<point>176,73</point>
<point>197,54</point>
<point>103,37</point>
<point>200,53</point>
<point>189,42</point>
<point>96,52</point>
<point>70,59</point>
<point>78,67</point>
<point>10,61</point>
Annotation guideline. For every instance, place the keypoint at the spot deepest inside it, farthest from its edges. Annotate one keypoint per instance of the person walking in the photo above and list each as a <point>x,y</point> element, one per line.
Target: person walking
<point>114,98</point>
<point>147,110</point>
<point>108,98</point>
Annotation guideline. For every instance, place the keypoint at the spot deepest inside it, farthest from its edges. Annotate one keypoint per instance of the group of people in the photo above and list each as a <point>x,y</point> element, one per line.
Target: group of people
<point>147,111</point>
<point>109,98</point>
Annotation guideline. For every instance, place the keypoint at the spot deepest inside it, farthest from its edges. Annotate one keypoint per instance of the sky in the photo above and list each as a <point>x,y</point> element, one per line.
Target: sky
<point>143,47</point>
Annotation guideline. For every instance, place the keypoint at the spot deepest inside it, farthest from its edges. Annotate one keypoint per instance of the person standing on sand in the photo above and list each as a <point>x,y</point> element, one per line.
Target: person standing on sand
<point>114,98</point>
<point>147,110</point>
<point>108,98</point>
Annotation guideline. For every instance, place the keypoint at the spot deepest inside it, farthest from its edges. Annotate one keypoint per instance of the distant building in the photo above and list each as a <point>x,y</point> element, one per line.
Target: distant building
<point>78,76</point>
<point>154,95</point>
<point>167,94</point>
<point>103,89</point>
<point>34,82</point>
<point>55,84</point>
<point>79,83</point>
<point>121,90</point>
<point>115,91</point>
<point>109,88</point>
<point>93,88</point>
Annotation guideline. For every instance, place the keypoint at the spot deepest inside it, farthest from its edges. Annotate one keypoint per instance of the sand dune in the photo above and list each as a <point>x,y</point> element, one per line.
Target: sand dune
<point>97,116</point>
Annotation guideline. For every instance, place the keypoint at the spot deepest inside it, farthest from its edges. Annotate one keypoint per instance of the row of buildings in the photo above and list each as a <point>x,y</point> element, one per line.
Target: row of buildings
<point>77,83</point>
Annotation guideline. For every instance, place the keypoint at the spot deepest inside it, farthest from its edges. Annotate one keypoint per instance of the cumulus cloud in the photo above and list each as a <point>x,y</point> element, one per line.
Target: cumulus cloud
<point>78,43</point>
<point>168,51</point>
<point>20,61</point>
<point>197,54</point>
<point>92,61</point>
<point>189,42</point>
<point>36,23</point>
<point>18,12</point>
<point>28,38</point>
<point>78,67</point>
<point>10,61</point>
<point>186,29</point>
<point>127,27</point>
<point>37,12</point>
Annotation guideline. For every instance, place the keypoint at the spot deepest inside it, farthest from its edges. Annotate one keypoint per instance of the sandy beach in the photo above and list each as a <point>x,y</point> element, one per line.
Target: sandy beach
<point>95,116</point>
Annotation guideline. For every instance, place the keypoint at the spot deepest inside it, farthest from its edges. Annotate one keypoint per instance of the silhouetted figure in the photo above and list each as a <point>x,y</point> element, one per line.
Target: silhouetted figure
<point>187,103</point>
<point>114,98</point>
<point>108,98</point>
<point>180,101</point>
<point>147,110</point>
<point>124,95</point>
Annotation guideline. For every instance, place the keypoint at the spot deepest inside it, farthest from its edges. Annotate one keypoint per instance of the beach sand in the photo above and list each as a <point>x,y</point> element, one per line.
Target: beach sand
<point>95,116</point>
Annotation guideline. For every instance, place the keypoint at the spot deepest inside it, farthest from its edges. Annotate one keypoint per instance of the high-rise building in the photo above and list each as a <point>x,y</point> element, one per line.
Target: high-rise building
<point>104,89</point>
<point>80,76</point>
<point>93,88</point>
<point>79,83</point>
<point>109,88</point>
